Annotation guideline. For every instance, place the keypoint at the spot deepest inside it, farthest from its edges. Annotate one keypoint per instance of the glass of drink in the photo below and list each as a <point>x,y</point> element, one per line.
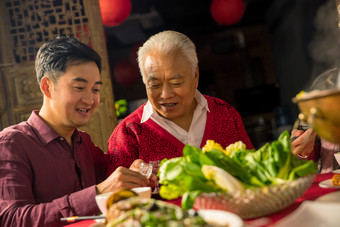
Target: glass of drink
<point>155,167</point>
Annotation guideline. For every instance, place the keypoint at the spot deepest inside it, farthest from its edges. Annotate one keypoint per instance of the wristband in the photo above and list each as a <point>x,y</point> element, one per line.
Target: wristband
<point>302,156</point>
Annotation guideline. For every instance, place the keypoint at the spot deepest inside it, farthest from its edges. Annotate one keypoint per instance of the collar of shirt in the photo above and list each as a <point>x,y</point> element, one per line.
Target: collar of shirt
<point>46,133</point>
<point>148,110</point>
<point>196,131</point>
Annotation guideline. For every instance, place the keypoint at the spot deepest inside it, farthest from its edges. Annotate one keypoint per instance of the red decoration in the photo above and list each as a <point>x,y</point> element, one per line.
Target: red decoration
<point>83,34</point>
<point>227,12</point>
<point>114,12</point>
<point>126,73</point>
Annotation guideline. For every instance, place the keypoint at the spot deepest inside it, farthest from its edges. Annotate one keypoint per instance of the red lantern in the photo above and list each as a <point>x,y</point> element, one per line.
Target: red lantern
<point>126,73</point>
<point>227,12</point>
<point>114,12</point>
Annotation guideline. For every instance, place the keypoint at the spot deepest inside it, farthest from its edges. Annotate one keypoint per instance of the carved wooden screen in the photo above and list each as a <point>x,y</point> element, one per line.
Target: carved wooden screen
<point>24,26</point>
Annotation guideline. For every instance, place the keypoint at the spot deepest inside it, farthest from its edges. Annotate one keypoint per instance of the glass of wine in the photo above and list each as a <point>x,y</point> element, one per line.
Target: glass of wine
<point>155,167</point>
<point>145,169</point>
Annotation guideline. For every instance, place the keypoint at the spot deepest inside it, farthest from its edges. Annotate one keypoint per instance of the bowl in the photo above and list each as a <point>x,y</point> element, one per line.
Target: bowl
<point>144,192</point>
<point>256,202</point>
<point>321,110</point>
<point>101,199</point>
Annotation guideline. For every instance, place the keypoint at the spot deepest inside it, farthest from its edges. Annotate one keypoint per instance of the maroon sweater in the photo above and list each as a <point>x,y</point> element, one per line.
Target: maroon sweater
<point>131,139</point>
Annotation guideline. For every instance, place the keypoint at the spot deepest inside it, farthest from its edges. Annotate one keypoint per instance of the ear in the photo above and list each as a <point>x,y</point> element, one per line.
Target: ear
<point>197,75</point>
<point>45,86</point>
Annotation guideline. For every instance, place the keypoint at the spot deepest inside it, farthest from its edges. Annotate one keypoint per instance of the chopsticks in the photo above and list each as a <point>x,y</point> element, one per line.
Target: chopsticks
<point>299,125</point>
<point>81,218</point>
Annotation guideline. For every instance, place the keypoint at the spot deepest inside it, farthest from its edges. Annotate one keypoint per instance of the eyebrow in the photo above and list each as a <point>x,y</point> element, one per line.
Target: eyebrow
<point>177,76</point>
<point>79,79</point>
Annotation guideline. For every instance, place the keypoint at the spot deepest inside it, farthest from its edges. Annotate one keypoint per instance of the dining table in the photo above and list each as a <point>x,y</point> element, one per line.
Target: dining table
<point>313,192</point>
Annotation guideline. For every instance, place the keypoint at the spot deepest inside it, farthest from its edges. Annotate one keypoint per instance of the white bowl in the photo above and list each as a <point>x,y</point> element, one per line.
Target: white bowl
<point>144,192</point>
<point>337,157</point>
<point>101,201</point>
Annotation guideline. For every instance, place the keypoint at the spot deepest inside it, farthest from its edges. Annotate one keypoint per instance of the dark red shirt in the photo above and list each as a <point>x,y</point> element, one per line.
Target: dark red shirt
<point>42,179</point>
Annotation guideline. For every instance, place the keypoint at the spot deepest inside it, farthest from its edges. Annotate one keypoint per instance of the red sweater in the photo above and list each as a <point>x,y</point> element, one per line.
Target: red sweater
<point>131,140</point>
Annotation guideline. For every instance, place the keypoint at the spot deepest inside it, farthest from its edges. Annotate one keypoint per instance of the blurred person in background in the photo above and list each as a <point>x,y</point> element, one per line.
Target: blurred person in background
<point>305,142</point>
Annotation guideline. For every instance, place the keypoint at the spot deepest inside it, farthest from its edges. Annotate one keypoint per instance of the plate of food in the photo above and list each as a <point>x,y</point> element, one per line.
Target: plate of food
<point>334,182</point>
<point>102,199</point>
<point>133,210</point>
<point>327,184</point>
<point>247,182</point>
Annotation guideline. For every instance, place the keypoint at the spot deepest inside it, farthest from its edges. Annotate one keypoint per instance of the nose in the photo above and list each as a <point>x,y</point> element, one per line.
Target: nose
<point>88,98</point>
<point>167,91</point>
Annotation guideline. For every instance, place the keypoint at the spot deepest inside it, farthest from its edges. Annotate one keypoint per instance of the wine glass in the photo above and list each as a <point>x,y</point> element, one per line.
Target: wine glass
<point>155,164</point>
<point>145,169</point>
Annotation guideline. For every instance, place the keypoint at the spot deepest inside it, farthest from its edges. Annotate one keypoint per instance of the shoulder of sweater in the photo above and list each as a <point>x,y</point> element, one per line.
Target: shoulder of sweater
<point>134,117</point>
<point>214,102</point>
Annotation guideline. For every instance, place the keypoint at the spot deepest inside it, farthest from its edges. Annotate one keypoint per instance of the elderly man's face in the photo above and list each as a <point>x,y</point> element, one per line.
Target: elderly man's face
<point>171,85</point>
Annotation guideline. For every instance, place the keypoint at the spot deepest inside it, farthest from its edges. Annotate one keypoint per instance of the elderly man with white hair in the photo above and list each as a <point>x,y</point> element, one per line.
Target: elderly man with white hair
<point>176,113</point>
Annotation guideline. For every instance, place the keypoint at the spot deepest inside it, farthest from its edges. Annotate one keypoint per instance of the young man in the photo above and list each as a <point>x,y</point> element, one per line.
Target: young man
<point>49,169</point>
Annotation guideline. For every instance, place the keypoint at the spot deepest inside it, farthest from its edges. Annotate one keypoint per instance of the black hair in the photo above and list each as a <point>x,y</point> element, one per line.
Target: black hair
<point>56,55</point>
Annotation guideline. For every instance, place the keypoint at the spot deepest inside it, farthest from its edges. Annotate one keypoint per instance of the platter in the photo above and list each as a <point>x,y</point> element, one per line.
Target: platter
<point>256,202</point>
<point>211,217</point>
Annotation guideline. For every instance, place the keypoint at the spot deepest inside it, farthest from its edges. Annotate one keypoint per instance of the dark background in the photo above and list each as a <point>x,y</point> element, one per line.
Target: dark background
<point>257,65</point>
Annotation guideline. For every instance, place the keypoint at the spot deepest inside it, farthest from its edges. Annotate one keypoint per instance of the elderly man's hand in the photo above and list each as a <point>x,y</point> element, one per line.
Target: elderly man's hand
<point>303,145</point>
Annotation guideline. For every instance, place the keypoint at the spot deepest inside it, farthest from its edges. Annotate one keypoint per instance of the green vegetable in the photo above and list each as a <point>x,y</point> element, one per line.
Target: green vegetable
<point>273,163</point>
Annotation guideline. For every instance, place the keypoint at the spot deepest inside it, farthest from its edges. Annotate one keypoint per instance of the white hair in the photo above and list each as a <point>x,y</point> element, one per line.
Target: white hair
<point>166,42</point>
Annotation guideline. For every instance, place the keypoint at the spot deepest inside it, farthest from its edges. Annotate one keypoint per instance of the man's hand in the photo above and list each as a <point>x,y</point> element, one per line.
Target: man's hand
<point>122,178</point>
<point>303,144</point>
<point>153,179</point>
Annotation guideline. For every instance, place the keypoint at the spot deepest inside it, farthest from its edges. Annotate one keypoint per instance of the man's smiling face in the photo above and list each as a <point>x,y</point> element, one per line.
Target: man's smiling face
<point>170,84</point>
<point>75,96</point>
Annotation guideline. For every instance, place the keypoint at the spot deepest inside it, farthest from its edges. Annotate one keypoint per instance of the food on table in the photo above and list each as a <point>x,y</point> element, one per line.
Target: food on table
<point>137,211</point>
<point>189,176</point>
<point>222,178</point>
<point>336,179</point>
<point>120,195</point>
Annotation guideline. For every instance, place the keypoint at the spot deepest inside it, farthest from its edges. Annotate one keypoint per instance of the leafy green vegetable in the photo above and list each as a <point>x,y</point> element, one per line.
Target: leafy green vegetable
<point>273,163</point>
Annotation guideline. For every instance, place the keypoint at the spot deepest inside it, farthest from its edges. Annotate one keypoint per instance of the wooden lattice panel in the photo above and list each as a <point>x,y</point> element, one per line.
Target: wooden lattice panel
<point>33,22</point>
